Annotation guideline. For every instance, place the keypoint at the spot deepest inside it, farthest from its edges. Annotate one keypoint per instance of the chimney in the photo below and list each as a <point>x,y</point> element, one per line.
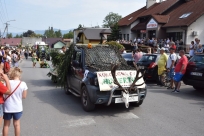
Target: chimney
<point>150,3</point>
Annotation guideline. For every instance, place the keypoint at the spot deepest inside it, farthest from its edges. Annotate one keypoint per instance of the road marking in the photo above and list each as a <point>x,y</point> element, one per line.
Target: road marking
<point>128,115</point>
<point>80,122</point>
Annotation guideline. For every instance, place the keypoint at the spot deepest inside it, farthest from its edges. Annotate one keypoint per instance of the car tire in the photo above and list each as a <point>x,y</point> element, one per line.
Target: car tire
<point>136,104</point>
<point>198,88</point>
<point>85,100</point>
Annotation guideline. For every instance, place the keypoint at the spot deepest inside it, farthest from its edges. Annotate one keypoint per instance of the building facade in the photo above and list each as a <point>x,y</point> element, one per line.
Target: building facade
<point>173,19</point>
<point>91,35</point>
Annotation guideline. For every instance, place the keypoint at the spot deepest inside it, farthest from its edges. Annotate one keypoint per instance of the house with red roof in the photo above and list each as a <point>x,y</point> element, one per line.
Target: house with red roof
<point>10,41</point>
<point>174,19</point>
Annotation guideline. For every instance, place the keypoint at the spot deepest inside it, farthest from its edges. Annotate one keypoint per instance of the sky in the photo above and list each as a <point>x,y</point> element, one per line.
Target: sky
<point>61,14</point>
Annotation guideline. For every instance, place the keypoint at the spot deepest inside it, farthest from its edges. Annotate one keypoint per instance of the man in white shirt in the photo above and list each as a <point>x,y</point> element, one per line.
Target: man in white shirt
<point>197,41</point>
<point>170,66</point>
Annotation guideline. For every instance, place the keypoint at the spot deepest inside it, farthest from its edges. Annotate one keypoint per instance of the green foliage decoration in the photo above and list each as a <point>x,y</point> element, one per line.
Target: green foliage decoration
<point>115,44</point>
<point>62,64</point>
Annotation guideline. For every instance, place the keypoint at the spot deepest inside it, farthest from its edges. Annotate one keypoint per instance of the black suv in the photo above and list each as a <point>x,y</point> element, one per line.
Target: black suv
<point>82,78</point>
<point>194,75</point>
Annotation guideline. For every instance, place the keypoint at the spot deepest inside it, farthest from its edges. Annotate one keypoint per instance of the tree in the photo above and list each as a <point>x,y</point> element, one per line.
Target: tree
<point>9,35</point>
<point>111,19</point>
<point>50,33</point>
<point>69,35</point>
<point>115,31</point>
<point>58,33</point>
<point>17,36</point>
<point>29,33</point>
<point>80,26</point>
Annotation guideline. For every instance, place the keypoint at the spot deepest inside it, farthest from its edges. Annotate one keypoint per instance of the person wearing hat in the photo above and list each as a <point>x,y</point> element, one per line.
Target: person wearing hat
<point>161,65</point>
<point>171,65</point>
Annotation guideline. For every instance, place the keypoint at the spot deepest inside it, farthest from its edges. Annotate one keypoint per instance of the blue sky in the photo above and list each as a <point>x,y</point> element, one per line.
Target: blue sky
<point>61,14</point>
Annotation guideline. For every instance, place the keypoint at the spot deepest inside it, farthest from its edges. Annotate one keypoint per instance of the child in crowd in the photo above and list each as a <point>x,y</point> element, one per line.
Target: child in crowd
<point>13,107</point>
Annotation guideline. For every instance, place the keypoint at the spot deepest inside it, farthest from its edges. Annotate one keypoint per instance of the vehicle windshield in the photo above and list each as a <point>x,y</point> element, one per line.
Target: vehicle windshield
<point>148,58</point>
<point>199,59</point>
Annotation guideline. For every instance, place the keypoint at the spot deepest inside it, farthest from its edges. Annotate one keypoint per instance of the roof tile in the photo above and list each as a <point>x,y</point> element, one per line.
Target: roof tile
<point>156,9</point>
<point>194,6</point>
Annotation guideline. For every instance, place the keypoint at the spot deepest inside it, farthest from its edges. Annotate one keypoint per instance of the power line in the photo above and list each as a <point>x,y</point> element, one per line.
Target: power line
<point>18,28</point>
<point>6,9</point>
<point>2,9</point>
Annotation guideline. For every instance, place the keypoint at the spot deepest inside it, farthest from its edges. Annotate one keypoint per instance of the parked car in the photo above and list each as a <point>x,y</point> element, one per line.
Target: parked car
<point>148,63</point>
<point>128,58</point>
<point>90,78</point>
<point>194,75</point>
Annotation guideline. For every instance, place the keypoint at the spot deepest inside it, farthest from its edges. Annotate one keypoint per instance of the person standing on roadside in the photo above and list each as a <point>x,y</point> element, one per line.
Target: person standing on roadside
<point>196,43</point>
<point>199,50</point>
<point>137,56</point>
<point>13,107</point>
<point>192,49</point>
<point>170,66</point>
<point>180,70</point>
<point>161,66</point>
<point>3,89</point>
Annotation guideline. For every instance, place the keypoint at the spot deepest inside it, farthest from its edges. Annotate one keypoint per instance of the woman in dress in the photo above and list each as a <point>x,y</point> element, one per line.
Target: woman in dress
<point>13,107</point>
<point>34,58</point>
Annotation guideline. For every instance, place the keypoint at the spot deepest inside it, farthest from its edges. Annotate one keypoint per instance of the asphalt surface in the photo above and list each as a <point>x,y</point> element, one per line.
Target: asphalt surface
<point>49,112</point>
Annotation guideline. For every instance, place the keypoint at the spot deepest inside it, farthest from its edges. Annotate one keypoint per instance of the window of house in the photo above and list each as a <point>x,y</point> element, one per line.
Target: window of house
<point>124,36</point>
<point>128,37</point>
<point>175,35</point>
<point>185,15</point>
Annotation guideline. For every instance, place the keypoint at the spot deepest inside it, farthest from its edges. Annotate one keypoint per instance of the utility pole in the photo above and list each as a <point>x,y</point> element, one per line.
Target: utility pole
<point>6,28</point>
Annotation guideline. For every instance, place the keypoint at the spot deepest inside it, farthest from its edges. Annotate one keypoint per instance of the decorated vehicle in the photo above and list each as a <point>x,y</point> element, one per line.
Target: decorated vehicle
<point>43,51</point>
<point>100,75</point>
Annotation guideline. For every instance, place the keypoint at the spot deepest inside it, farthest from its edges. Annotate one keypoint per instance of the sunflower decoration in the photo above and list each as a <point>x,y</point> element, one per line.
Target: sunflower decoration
<point>89,46</point>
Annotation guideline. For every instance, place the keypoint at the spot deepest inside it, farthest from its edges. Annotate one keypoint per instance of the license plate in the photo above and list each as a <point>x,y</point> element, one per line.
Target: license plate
<point>196,74</point>
<point>131,99</point>
<point>141,67</point>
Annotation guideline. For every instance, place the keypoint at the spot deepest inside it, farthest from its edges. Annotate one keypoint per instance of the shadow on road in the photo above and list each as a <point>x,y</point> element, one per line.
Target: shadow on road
<point>71,105</point>
<point>185,93</point>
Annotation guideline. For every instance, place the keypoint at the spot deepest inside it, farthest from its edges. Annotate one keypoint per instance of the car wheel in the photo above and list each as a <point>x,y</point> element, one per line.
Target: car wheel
<point>198,88</point>
<point>85,100</point>
<point>136,104</point>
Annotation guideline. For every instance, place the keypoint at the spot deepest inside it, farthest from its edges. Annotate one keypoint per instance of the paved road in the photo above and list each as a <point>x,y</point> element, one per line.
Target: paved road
<point>49,112</point>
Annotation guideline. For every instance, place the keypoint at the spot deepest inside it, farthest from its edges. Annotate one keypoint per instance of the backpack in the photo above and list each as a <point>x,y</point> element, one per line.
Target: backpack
<point>6,67</point>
